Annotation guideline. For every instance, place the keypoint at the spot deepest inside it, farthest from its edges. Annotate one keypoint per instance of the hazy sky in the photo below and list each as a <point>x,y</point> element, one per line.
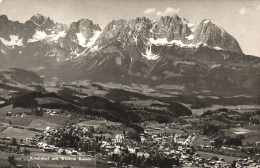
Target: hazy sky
<point>240,18</point>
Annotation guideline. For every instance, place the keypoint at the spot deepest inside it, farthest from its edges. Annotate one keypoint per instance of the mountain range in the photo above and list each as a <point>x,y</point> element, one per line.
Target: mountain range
<point>169,51</point>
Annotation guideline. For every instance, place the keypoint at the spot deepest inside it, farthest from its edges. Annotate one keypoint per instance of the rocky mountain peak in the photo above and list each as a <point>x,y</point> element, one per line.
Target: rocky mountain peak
<point>170,29</point>
<point>206,21</point>
<point>142,20</point>
<point>170,20</point>
<point>3,18</point>
<point>84,36</point>
<point>169,50</point>
<point>84,24</point>
<point>42,21</point>
<point>214,36</point>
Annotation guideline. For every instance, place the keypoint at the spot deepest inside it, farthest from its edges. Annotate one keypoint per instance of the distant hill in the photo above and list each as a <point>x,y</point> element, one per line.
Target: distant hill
<point>19,76</point>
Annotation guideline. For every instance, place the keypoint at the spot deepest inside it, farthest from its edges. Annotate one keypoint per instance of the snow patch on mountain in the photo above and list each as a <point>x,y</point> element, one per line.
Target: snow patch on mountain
<point>41,35</point>
<point>2,51</point>
<point>190,25</point>
<point>164,41</point>
<point>149,54</point>
<point>38,36</point>
<point>159,41</point>
<point>206,21</point>
<point>215,66</point>
<point>190,37</point>
<point>217,48</point>
<point>135,39</point>
<point>14,40</point>
<point>94,38</point>
<point>81,39</point>
<point>181,44</point>
<point>55,37</point>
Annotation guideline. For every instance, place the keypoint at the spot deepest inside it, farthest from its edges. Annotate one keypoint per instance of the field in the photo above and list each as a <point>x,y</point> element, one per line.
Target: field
<point>132,87</point>
<point>247,131</point>
<point>239,108</point>
<point>42,124</point>
<point>8,108</point>
<point>88,90</point>
<point>241,130</point>
<point>202,140</point>
<point>217,123</point>
<point>17,133</point>
<point>251,133</point>
<point>98,123</point>
<point>115,128</point>
<point>22,121</point>
<point>48,100</point>
<point>163,128</point>
<point>53,119</point>
<point>144,103</point>
<point>210,155</point>
<point>38,122</point>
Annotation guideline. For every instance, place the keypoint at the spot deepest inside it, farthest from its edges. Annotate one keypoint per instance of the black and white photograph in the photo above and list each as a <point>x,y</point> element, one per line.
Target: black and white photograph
<point>129,83</point>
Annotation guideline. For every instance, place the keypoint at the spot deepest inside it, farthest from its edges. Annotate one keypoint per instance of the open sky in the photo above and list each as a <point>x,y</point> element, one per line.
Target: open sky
<point>240,18</point>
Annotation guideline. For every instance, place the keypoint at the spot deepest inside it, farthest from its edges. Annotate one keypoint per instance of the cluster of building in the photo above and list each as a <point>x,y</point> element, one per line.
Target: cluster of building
<point>152,143</point>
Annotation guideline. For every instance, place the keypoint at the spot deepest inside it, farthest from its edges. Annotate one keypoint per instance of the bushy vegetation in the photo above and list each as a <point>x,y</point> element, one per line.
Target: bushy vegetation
<point>66,140</point>
<point>113,111</point>
<point>123,95</point>
<point>28,100</point>
<point>162,119</point>
<point>67,93</point>
<point>11,160</point>
<point>178,109</point>
<point>233,141</point>
<point>209,129</point>
<point>141,161</point>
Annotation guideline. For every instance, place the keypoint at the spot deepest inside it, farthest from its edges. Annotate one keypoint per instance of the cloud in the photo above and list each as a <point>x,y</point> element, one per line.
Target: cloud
<point>148,11</point>
<point>243,10</point>
<point>258,7</point>
<point>168,11</point>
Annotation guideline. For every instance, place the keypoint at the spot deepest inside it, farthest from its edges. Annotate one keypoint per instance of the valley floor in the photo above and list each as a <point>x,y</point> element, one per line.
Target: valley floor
<point>186,139</point>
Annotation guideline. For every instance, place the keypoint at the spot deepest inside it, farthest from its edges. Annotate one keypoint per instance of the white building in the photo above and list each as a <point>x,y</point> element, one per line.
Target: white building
<point>119,138</point>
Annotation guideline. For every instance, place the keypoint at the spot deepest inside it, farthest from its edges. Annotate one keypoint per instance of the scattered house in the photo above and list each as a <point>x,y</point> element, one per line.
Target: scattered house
<point>74,152</point>
<point>119,138</point>
<point>117,151</point>
<point>48,149</point>
<point>9,114</point>
<point>62,152</point>
<point>131,150</point>
<point>146,155</point>
<point>151,143</point>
